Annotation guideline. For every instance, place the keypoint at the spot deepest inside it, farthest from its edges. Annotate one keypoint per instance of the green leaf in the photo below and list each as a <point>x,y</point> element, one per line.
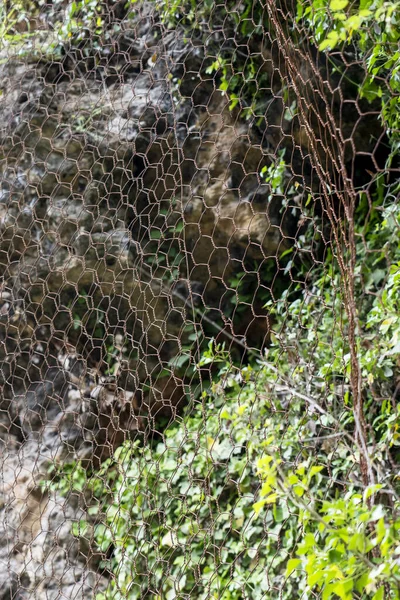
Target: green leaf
<point>79,528</point>
<point>343,589</point>
<point>225,414</point>
<point>353,23</point>
<point>292,564</point>
<point>370,490</point>
<point>271,499</point>
<point>317,577</point>
<point>258,506</point>
<point>327,591</point>
<point>298,490</point>
<point>331,41</point>
<point>379,595</point>
<point>338,4</point>
<point>315,470</point>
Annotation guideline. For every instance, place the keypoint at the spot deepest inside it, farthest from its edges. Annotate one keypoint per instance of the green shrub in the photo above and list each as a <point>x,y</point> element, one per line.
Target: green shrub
<point>256,492</point>
<point>370,29</point>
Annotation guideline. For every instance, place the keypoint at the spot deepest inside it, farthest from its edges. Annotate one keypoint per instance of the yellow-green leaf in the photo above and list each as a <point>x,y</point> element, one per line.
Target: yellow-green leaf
<point>338,4</point>
<point>264,462</point>
<point>225,414</point>
<point>292,479</point>
<point>353,23</point>
<point>266,489</point>
<point>379,594</point>
<point>330,41</point>
<point>271,499</point>
<point>315,577</point>
<point>258,506</point>
<point>315,470</point>
<point>293,563</point>
<point>341,589</point>
<point>370,490</point>
<point>298,490</point>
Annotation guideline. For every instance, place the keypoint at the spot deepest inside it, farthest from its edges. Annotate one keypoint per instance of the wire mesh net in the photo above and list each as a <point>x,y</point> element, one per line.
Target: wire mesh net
<point>198,300</point>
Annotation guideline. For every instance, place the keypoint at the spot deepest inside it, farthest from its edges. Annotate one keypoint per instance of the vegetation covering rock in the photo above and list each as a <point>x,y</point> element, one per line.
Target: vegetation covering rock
<point>199,311</point>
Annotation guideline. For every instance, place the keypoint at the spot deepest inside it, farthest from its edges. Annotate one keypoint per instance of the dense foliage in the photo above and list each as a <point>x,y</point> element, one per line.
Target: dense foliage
<point>256,492</point>
<point>186,515</point>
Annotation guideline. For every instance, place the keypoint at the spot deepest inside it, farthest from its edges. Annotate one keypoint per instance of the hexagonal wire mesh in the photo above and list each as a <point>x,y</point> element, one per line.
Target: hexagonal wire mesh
<point>198,221</point>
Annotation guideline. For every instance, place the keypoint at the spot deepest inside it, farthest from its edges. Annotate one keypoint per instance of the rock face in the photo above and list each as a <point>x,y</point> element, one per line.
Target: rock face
<point>40,558</point>
<point>120,198</point>
<point>112,194</point>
